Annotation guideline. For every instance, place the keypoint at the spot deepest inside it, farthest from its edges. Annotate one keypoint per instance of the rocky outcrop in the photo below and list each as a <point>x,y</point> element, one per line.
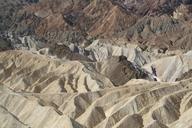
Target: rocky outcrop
<point>186,75</point>
<point>119,70</point>
<point>149,23</point>
<point>100,50</point>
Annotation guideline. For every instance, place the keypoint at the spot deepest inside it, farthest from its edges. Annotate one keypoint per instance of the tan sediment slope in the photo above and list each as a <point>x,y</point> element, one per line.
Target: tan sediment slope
<point>171,68</point>
<point>96,64</point>
<point>135,105</point>
<point>37,92</point>
<point>24,71</point>
<point>28,72</point>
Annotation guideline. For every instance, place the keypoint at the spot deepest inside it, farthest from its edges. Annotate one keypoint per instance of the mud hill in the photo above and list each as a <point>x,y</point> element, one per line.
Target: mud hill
<point>75,94</point>
<point>95,63</point>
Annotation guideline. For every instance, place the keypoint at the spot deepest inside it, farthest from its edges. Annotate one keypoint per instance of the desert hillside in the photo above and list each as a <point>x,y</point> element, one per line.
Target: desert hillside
<point>95,64</point>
